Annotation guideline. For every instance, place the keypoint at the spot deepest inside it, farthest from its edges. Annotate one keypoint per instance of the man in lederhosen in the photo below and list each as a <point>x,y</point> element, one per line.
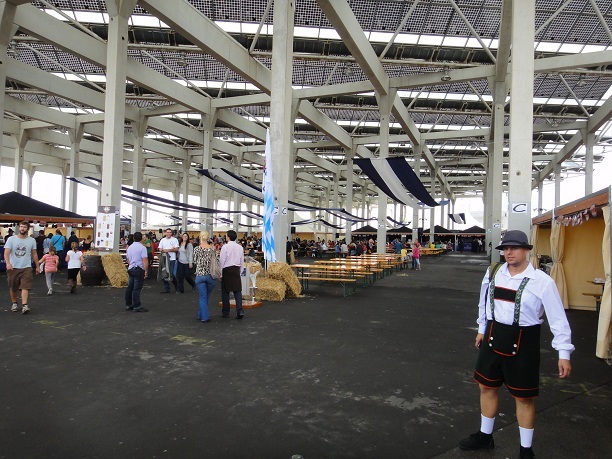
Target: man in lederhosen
<point>513,297</point>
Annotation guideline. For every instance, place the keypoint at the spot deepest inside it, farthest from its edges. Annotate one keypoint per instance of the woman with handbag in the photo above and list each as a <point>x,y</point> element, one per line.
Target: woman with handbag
<point>207,271</point>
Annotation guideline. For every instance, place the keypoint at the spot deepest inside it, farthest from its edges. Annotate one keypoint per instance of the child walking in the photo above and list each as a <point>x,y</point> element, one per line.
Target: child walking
<point>74,258</point>
<point>51,261</point>
<point>416,256</point>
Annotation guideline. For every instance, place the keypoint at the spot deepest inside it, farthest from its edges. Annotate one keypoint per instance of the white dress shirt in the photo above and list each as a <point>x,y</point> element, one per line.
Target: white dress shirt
<point>232,254</point>
<point>540,295</point>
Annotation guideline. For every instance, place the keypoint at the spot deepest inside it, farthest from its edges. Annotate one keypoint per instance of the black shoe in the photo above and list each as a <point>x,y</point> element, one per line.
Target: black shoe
<point>141,310</point>
<point>478,440</point>
<point>178,291</point>
<point>165,291</point>
<point>224,317</point>
<point>73,289</point>
<point>129,308</point>
<point>207,320</point>
<point>526,453</point>
<point>240,316</point>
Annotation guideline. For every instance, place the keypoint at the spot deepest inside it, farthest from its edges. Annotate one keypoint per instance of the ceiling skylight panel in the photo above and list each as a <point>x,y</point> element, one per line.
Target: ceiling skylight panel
<point>548,47</point>
<point>594,48</point>
<point>456,42</point>
<point>570,48</point>
<point>330,34</point>
<point>230,27</point>
<point>90,17</point>
<point>145,21</point>
<point>306,32</point>
<point>380,37</point>
<point>407,38</point>
<point>432,40</point>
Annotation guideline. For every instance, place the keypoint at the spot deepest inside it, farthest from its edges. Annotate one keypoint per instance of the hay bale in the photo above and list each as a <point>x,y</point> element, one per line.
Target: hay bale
<point>270,289</point>
<point>284,273</point>
<point>254,267</point>
<point>115,269</point>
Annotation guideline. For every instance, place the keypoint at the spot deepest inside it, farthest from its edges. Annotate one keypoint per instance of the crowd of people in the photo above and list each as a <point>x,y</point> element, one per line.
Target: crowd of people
<point>513,298</point>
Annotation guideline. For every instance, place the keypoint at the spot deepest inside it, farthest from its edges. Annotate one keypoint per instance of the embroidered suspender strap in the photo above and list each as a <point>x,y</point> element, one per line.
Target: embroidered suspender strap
<point>517,299</point>
<point>491,288</point>
<point>517,302</point>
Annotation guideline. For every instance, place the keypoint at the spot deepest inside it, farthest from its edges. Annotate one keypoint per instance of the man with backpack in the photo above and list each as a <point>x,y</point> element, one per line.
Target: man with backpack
<point>58,240</point>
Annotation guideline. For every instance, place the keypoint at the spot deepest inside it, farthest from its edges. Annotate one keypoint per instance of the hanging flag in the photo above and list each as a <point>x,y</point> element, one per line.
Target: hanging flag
<point>268,195</point>
<point>457,218</point>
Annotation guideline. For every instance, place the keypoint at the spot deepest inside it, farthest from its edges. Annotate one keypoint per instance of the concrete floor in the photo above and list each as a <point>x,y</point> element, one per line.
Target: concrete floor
<point>385,373</point>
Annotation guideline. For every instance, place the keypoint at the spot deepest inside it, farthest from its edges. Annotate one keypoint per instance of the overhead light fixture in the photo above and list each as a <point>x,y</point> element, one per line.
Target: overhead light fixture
<point>348,70</point>
<point>581,81</point>
<point>446,76</point>
<point>182,61</point>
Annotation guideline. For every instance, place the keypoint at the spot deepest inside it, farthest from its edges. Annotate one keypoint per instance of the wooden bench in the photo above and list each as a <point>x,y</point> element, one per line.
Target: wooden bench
<point>348,284</point>
<point>365,276</point>
<point>597,297</point>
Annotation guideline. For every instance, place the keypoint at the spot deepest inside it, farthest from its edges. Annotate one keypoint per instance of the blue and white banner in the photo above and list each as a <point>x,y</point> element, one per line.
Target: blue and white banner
<point>267,189</point>
<point>457,218</point>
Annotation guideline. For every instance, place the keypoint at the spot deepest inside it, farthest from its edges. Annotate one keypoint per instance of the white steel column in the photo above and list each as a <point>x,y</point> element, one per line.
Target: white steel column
<point>432,213</point>
<point>281,129</point>
<point>114,108</point>
<point>139,130</point>
<point>557,185</point>
<point>336,199</point>
<point>364,194</point>
<point>540,197</point>
<point>589,141</point>
<point>20,141</point>
<point>349,195</point>
<point>495,171</point>
<point>30,174</point>
<point>76,135</point>
<point>384,103</point>
<point>206,197</point>
<point>416,166</point>
<point>185,187</point>
<point>7,31</point>
<point>146,221</point>
<point>237,201</point>
<point>521,116</point>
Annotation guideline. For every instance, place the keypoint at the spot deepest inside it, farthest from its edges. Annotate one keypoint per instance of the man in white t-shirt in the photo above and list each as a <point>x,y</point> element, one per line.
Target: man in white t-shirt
<point>169,245</point>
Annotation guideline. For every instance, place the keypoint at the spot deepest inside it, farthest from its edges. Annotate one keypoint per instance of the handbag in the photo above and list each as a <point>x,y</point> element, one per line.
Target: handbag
<point>215,268</point>
<point>504,339</point>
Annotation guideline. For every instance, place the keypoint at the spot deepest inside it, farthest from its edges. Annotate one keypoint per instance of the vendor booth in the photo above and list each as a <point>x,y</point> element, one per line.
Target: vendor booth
<point>576,236</point>
<point>15,207</point>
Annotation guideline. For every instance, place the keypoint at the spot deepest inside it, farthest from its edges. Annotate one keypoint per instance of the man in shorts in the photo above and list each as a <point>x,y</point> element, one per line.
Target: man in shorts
<point>19,253</point>
<point>513,297</point>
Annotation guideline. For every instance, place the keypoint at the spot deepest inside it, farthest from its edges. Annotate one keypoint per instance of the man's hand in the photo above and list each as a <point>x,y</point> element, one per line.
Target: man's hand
<point>478,342</point>
<point>565,368</point>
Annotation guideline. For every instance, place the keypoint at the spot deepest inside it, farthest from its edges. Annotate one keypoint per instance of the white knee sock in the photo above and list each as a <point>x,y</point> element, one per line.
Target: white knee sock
<point>486,424</point>
<point>526,437</point>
